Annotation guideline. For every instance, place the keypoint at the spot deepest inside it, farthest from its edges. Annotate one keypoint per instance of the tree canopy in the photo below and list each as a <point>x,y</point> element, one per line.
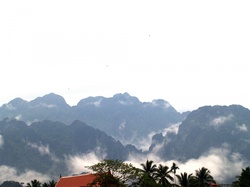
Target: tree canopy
<point>243,180</point>
<point>115,170</point>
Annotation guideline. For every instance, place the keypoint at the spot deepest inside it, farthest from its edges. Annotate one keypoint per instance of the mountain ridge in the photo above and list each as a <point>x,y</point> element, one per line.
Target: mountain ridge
<point>206,127</point>
<point>45,146</point>
<point>122,116</point>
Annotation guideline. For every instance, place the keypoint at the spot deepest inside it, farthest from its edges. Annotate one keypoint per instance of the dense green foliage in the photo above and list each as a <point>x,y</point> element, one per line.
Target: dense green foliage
<point>149,168</point>
<point>243,180</point>
<point>51,183</point>
<point>203,177</point>
<point>162,175</point>
<point>185,179</point>
<point>34,183</point>
<point>118,169</point>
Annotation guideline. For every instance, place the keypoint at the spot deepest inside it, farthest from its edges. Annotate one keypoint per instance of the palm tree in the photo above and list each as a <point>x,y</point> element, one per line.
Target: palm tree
<point>174,167</point>
<point>163,176</point>
<point>203,177</point>
<point>147,177</point>
<point>34,183</point>
<point>149,168</point>
<point>184,179</point>
<point>49,184</point>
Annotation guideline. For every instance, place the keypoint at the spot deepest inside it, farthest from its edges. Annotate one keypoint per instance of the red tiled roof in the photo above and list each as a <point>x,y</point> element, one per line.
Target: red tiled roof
<point>76,181</point>
<point>213,184</point>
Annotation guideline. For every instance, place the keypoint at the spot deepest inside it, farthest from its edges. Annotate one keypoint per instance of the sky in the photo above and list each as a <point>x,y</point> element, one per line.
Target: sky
<point>189,53</point>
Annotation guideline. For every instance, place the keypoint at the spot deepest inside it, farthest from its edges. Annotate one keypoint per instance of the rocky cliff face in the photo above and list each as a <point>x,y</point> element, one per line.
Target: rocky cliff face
<point>210,127</point>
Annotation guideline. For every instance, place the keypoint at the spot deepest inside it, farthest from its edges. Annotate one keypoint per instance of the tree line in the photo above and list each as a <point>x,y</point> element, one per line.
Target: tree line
<point>116,173</point>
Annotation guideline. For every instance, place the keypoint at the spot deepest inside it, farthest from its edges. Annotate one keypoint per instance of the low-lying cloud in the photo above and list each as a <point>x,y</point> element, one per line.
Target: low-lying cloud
<point>45,105</point>
<point>242,127</point>
<point>125,102</point>
<point>43,150</point>
<point>18,117</point>
<point>221,120</point>
<point>223,163</point>
<point>145,143</point>
<point>171,129</point>
<point>140,143</point>
<point>10,174</point>
<point>96,103</point>
<point>78,163</point>
<point>164,104</point>
<point>9,106</point>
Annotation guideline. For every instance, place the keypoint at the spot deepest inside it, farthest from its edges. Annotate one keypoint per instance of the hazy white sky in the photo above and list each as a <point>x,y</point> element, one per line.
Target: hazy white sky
<point>190,53</point>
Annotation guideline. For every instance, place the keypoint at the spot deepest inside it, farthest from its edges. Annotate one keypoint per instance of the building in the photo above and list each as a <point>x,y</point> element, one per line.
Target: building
<point>76,181</point>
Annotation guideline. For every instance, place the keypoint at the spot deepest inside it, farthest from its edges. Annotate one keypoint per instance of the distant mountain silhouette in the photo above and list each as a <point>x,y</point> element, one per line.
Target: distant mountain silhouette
<point>52,107</point>
<point>10,184</point>
<point>122,116</point>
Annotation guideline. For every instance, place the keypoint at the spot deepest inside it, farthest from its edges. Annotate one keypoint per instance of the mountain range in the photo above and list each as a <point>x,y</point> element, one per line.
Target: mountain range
<point>43,133</point>
<point>122,116</point>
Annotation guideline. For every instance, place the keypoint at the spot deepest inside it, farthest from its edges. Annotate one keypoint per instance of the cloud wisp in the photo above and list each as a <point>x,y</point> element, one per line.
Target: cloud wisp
<point>223,163</point>
<point>219,161</point>
<point>242,127</point>
<point>146,142</point>
<point>77,164</point>
<point>43,150</point>
<point>10,173</point>
<point>221,120</point>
